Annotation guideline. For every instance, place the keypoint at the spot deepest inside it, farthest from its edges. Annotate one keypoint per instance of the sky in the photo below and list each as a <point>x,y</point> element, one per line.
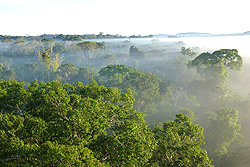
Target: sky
<point>123,17</point>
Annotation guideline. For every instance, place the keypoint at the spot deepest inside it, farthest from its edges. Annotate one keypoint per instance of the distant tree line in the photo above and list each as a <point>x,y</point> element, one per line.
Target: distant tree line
<point>68,37</point>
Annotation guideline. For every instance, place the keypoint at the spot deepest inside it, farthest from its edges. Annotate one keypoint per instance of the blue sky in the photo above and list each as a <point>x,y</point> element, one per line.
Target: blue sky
<point>125,17</point>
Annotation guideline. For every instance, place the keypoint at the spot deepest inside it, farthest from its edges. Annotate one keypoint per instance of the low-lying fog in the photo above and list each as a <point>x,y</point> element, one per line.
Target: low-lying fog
<point>241,43</point>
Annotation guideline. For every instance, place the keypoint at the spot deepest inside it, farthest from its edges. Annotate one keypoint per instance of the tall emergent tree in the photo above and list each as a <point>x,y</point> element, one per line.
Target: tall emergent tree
<point>50,62</point>
<point>89,50</point>
<point>213,66</point>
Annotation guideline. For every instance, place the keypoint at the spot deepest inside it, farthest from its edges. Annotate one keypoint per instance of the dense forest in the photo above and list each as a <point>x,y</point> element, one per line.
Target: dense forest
<point>69,101</point>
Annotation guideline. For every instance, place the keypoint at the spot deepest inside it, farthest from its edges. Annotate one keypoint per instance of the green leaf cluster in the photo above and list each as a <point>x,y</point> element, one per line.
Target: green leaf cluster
<point>55,124</point>
<point>213,66</point>
<point>178,144</point>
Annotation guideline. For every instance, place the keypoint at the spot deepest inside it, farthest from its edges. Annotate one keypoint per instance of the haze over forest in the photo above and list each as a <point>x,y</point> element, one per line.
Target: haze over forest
<point>110,100</point>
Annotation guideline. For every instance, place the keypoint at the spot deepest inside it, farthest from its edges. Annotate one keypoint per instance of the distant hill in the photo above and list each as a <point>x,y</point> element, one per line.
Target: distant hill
<point>246,33</point>
<point>187,34</point>
<point>192,34</point>
<point>162,35</point>
<point>197,34</point>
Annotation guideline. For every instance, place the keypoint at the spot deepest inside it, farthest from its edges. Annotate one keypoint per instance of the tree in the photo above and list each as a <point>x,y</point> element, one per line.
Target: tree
<point>72,38</point>
<point>7,62</point>
<point>178,144</point>
<point>131,144</point>
<point>89,45</point>
<point>21,42</point>
<point>12,96</point>
<point>226,57</point>
<point>6,73</point>
<point>238,157</point>
<point>115,74</point>
<point>65,70</point>
<point>174,92</point>
<point>7,42</point>
<point>88,50</point>
<point>32,68</point>
<point>50,61</point>
<point>84,75</point>
<point>137,54</point>
<point>187,52</point>
<point>178,70</point>
<point>71,125</point>
<point>189,113</point>
<point>48,43</point>
<point>222,130</point>
<point>58,48</point>
<point>145,85</point>
<point>213,66</point>
<point>135,64</point>
<point>55,124</point>
<point>110,59</point>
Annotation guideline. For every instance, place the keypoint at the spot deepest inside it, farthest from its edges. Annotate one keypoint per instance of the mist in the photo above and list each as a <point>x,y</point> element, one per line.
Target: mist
<point>173,83</point>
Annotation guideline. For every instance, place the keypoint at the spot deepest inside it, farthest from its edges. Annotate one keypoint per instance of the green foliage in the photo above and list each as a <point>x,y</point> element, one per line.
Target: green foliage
<point>216,74</point>
<point>111,70</point>
<point>136,53</point>
<point>145,86</point>
<point>6,61</point>
<point>189,113</point>
<point>225,57</point>
<point>222,130</point>
<point>110,59</point>
<point>67,155</point>
<point>131,144</point>
<point>6,73</point>
<point>65,70</point>
<point>135,64</point>
<point>178,144</point>
<point>47,43</point>
<point>213,66</point>
<point>238,157</point>
<point>187,52</point>
<point>89,45</point>
<point>83,75</point>
<point>7,40</point>
<point>12,96</point>
<point>50,62</point>
<point>88,51</point>
<point>72,38</point>
<point>21,42</point>
<point>114,75</point>
<point>47,40</point>
<point>74,125</point>
<point>60,122</point>
<point>13,149</point>
<point>58,48</point>
<point>31,71</point>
